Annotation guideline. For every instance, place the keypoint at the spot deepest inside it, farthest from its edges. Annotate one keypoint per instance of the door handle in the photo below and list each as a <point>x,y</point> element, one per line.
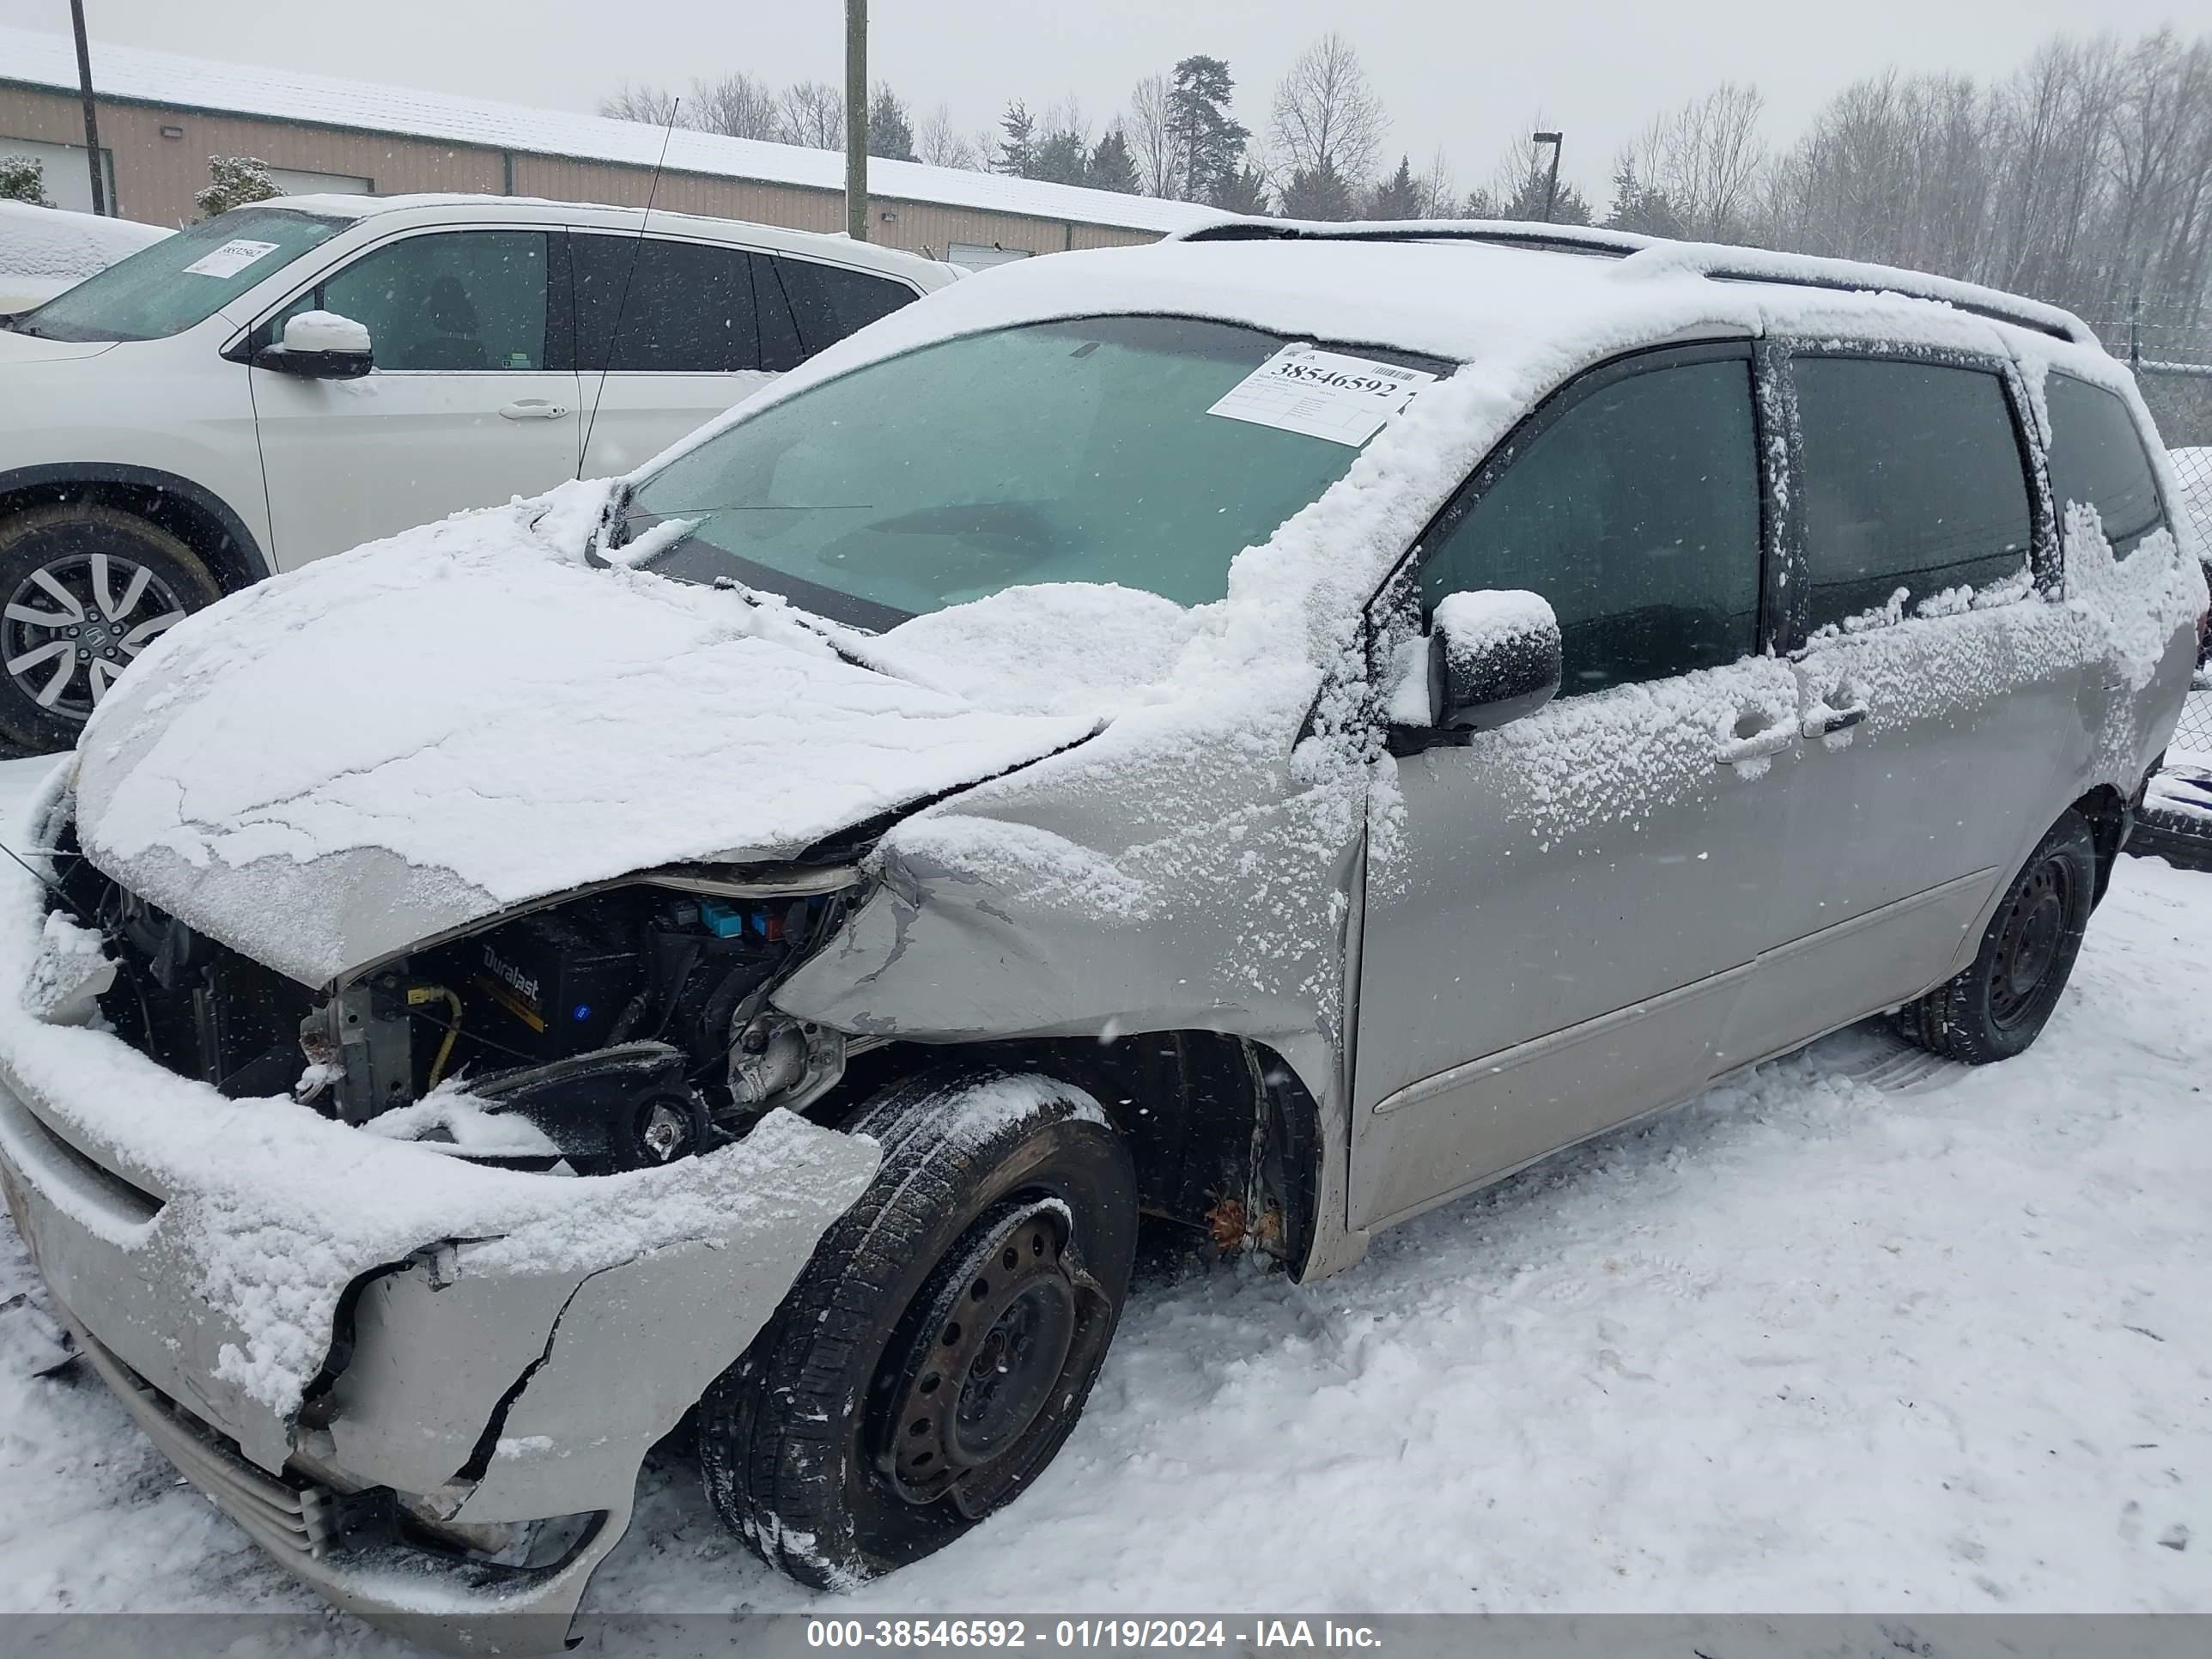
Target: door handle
<point>1821,720</point>
<point>531,409</point>
<point>1758,746</point>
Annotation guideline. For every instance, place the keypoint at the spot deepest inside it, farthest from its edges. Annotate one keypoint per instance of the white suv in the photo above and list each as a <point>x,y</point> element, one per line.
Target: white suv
<point>293,378</point>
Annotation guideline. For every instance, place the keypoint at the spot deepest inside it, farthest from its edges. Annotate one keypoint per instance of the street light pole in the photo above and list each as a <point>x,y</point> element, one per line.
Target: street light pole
<point>91,116</point>
<point>1552,183</point>
<point>856,120</point>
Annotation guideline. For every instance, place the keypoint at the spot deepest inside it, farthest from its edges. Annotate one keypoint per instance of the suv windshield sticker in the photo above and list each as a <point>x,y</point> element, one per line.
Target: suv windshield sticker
<point>230,258</point>
<point>1323,394</point>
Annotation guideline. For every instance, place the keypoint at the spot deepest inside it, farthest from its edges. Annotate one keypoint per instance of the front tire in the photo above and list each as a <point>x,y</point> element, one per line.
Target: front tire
<point>938,1348</point>
<point>2000,1003</point>
<point>83,590</point>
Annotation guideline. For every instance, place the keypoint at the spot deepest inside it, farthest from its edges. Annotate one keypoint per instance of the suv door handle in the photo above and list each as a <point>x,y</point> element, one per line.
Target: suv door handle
<point>1758,746</point>
<point>1820,720</point>
<point>531,409</point>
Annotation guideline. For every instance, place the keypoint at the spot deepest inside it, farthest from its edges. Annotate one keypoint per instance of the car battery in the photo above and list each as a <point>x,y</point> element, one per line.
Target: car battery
<point>552,988</point>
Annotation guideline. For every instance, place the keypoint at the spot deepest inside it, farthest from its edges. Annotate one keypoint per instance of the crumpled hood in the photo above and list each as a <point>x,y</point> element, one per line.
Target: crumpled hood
<point>415,735</point>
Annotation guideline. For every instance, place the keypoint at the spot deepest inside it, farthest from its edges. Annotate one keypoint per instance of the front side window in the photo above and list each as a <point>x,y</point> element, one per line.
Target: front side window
<point>1636,512</point>
<point>455,301</point>
<point>832,301</point>
<point>1068,452</point>
<point>2097,460</point>
<point>183,280</point>
<point>1912,481</point>
<point>648,304</point>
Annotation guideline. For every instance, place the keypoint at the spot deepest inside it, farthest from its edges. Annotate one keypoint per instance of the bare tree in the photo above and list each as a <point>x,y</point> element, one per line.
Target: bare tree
<point>653,105</point>
<point>735,105</point>
<point>1328,121</point>
<point>1708,160</point>
<point>1151,136</point>
<point>813,115</point>
<point>936,143</point>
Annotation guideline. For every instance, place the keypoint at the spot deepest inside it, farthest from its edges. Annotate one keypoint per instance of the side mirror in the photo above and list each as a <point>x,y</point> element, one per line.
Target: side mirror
<point>1494,657</point>
<point>321,345</point>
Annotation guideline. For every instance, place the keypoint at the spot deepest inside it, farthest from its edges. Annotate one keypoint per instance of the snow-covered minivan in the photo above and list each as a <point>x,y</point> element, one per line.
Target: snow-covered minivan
<point>200,415</point>
<point>1268,732</point>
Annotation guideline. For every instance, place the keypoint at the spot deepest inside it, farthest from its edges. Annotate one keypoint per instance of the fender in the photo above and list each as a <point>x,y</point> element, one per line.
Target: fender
<point>253,561</point>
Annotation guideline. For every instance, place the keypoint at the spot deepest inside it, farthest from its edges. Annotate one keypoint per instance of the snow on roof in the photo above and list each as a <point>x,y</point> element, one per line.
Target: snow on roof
<point>35,57</point>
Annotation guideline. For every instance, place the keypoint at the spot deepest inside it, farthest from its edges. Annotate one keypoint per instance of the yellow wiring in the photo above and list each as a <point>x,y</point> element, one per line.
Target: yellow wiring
<point>419,994</point>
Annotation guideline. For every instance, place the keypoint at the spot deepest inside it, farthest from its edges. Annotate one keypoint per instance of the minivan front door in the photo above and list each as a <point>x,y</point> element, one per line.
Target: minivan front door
<point>461,409</point>
<point>1560,921</point>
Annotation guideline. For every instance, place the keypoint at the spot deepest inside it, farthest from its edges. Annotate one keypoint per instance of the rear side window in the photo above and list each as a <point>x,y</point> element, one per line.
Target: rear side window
<point>831,301</point>
<point>1912,480</point>
<point>1636,512</point>
<point>663,307</point>
<point>2097,460</point>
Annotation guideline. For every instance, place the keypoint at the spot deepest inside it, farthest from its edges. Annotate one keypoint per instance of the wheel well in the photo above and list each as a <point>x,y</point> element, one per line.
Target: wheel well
<point>229,559</point>
<point>2108,815</point>
<point>1225,1138</point>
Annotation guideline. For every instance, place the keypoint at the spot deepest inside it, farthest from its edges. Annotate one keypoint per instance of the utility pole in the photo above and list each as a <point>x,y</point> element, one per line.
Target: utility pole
<point>856,120</point>
<point>1552,183</point>
<point>2134,329</point>
<point>91,116</point>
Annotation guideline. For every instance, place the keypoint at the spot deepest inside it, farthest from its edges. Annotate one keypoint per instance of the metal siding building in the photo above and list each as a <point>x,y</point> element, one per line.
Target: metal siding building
<point>161,116</point>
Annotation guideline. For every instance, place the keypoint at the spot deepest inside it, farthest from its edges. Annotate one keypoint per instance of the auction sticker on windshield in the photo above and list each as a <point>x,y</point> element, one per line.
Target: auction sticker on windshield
<point>1323,394</point>
<point>230,258</point>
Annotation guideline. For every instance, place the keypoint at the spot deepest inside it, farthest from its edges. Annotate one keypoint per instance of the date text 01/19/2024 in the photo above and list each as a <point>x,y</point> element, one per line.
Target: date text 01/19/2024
<point>939,1634</point>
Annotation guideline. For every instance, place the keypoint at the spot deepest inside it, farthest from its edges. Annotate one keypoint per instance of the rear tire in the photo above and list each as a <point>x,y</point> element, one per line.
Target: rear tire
<point>83,590</point>
<point>938,1348</point>
<point>2000,1003</point>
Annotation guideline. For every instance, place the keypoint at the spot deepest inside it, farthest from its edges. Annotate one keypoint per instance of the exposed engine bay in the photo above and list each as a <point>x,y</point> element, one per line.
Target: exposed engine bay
<point>627,1025</point>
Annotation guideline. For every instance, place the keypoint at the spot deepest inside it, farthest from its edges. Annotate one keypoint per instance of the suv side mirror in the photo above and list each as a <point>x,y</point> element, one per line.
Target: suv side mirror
<point>1493,656</point>
<point>321,345</point>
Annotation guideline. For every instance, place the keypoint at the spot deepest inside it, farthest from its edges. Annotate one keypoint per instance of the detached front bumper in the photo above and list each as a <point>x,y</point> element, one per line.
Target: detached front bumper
<point>470,1386</point>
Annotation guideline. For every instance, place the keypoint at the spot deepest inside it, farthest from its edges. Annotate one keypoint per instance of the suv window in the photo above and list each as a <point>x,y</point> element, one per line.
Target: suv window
<point>831,301</point>
<point>2097,459</point>
<point>1636,512</point>
<point>1912,480</point>
<point>688,308</point>
<point>451,300</point>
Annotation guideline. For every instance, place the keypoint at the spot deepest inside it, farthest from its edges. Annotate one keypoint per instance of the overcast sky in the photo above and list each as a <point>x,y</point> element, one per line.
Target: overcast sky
<point>1463,77</point>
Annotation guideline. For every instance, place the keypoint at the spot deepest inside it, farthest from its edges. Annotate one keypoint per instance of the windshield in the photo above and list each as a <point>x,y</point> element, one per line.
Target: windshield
<point>169,286</point>
<point>1073,451</point>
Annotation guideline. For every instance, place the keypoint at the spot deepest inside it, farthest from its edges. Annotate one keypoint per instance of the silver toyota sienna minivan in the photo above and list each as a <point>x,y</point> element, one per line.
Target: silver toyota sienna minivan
<point>1266,733</point>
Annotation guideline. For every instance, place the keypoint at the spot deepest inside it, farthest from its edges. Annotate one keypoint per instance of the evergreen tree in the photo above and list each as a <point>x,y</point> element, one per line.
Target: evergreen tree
<point>1018,150</point>
<point>891,127</point>
<point>23,179</point>
<point>1245,193</point>
<point>233,181</point>
<point>1061,157</point>
<point>1208,143</point>
<point>1319,192</point>
<point>1398,197</point>
<point>1112,166</point>
<point>1639,206</point>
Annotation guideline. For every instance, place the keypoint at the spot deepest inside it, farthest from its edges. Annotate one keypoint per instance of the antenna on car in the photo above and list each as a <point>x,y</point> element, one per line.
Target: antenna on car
<point>622,299</point>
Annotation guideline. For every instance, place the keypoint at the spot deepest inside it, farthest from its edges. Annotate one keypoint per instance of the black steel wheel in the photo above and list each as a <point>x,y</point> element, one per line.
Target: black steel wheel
<point>83,591</point>
<point>2000,1003</point>
<point>940,1346</point>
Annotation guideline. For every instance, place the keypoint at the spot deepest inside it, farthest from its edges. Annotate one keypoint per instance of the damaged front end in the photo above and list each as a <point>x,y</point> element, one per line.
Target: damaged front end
<point>417,1329</point>
<point>620,1028</point>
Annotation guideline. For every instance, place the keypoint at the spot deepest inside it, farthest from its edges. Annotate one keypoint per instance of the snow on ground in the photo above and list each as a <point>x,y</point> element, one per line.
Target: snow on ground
<point>1861,1332</point>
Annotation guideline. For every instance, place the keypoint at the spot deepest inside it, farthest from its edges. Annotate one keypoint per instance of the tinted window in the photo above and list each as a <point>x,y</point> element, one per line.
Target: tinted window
<point>1635,514</point>
<point>687,307</point>
<point>1912,480</point>
<point>2096,458</point>
<point>832,301</point>
<point>460,299</point>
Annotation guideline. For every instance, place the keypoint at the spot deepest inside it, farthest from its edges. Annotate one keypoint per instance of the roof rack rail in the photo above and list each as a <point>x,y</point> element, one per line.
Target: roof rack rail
<point>1656,256</point>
